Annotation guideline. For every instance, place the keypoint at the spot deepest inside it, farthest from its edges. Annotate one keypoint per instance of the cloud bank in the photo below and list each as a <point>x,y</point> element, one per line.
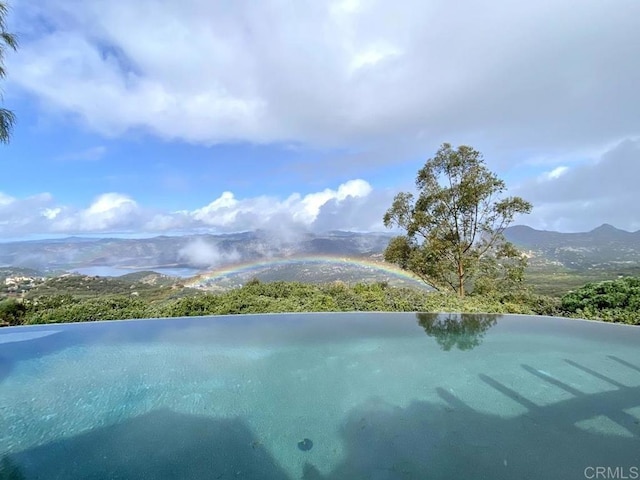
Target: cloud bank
<point>565,198</point>
<point>543,74</point>
<point>537,83</point>
<point>581,197</point>
<point>200,253</point>
<point>353,205</point>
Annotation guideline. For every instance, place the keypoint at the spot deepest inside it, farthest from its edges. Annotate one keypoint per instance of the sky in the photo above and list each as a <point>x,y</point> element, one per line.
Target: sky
<point>167,117</point>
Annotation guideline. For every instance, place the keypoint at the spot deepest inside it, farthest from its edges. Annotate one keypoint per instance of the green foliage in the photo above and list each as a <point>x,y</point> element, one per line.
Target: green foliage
<point>150,286</point>
<point>261,297</point>
<point>613,300</point>
<point>7,40</point>
<point>12,311</point>
<point>58,309</point>
<point>454,229</point>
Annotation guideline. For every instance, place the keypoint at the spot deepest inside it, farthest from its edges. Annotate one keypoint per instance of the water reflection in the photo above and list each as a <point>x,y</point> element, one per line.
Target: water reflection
<point>423,438</point>
<point>448,439</point>
<point>464,331</point>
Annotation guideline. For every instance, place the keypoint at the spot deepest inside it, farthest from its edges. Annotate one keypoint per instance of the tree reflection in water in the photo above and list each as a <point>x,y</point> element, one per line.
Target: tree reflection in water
<point>462,330</point>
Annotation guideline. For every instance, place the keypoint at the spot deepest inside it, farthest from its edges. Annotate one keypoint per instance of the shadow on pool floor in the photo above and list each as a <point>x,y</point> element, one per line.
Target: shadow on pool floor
<point>158,445</point>
<point>382,441</point>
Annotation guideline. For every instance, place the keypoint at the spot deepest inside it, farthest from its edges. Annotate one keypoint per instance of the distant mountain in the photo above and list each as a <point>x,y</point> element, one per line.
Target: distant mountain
<point>603,247</point>
<point>196,251</point>
<point>600,236</point>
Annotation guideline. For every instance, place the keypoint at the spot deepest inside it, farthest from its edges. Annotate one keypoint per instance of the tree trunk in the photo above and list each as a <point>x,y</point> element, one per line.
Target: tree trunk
<point>460,280</point>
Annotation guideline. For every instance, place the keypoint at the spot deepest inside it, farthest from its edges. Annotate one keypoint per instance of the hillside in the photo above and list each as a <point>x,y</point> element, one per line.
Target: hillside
<point>149,286</point>
<point>558,262</point>
<point>338,271</point>
<point>188,251</point>
<point>605,247</point>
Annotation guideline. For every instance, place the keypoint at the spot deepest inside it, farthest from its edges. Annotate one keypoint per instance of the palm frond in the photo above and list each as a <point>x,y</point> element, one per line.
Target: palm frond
<point>7,120</point>
<point>9,39</point>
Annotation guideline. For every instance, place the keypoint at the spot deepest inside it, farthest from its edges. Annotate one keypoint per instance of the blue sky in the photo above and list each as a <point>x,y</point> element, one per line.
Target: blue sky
<point>165,117</point>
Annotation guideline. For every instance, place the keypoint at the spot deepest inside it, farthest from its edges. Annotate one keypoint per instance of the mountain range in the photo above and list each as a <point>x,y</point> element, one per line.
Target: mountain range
<point>188,251</point>
<point>605,245</point>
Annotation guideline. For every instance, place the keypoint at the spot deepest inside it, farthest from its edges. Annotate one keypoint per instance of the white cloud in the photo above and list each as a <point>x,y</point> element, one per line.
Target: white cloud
<point>165,222</point>
<point>309,207</point>
<point>354,213</point>
<point>262,212</point>
<point>576,198</point>
<point>109,202</point>
<point>221,212</point>
<point>24,215</point>
<point>557,172</point>
<point>200,253</point>
<point>108,212</point>
<point>604,190</point>
<point>345,7</point>
<point>6,199</point>
<point>373,56</point>
<point>116,212</point>
<point>528,75</point>
<point>50,213</point>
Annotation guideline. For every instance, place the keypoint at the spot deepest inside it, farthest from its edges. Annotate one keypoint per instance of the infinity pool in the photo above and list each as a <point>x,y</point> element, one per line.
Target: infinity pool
<point>321,396</point>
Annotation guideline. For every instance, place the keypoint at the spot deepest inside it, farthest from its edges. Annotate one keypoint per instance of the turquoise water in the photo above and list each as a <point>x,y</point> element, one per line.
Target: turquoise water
<point>380,396</point>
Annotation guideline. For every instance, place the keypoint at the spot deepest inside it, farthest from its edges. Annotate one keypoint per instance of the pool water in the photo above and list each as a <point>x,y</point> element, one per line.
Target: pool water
<point>321,396</point>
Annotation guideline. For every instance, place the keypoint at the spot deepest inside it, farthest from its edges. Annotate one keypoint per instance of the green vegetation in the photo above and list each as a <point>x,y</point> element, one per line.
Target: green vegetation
<point>554,291</point>
<point>612,301</point>
<point>257,297</point>
<point>454,229</point>
<point>69,309</point>
<point>149,286</point>
<point>7,40</point>
<point>557,280</point>
<point>12,312</point>
<point>617,301</point>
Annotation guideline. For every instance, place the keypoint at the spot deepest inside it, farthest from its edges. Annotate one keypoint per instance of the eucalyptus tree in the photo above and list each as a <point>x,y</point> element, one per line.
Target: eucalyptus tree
<point>453,230</point>
<point>7,40</point>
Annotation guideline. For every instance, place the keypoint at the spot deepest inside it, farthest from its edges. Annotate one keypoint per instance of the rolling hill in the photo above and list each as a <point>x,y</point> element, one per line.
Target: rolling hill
<point>235,258</point>
<point>603,247</point>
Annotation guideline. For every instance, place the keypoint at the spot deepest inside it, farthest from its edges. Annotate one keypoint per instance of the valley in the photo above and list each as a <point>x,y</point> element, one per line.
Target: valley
<point>558,262</point>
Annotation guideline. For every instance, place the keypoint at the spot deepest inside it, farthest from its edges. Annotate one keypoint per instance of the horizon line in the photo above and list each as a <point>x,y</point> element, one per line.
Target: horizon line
<point>38,237</point>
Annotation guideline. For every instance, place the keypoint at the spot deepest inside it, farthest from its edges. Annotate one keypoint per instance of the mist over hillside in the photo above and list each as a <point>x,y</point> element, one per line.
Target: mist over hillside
<point>605,245</point>
<point>199,252</point>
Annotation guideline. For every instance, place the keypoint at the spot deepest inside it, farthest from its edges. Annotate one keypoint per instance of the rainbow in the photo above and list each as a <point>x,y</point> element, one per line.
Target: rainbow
<point>245,267</point>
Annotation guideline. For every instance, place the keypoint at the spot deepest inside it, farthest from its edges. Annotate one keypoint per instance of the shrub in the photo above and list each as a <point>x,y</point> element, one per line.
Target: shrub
<point>12,311</point>
<point>613,301</point>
